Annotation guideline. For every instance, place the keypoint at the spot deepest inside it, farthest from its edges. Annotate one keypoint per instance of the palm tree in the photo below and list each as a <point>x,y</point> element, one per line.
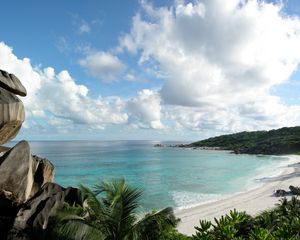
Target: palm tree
<point>110,213</point>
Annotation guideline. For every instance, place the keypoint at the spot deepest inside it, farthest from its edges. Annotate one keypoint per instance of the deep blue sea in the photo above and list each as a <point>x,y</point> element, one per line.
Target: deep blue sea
<point>174,177</point>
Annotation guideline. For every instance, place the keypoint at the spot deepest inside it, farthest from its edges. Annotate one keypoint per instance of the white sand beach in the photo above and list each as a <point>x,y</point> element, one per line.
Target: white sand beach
<point>253,201</point>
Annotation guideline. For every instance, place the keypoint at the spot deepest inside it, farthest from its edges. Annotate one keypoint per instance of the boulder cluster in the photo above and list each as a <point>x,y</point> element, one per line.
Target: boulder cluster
<point>28,195</point>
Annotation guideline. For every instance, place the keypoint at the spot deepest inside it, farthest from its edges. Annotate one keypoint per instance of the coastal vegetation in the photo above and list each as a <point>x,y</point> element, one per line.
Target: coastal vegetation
<point>280,141</point>
<point>109,212</point>
<point>283,222</point>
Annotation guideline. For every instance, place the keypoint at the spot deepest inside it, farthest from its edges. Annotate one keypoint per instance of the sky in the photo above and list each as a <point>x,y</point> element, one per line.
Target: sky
<point>153,70</point>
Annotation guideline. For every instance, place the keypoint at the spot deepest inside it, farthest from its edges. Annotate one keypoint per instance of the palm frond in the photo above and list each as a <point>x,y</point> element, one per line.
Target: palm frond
<point>72,222</point>
<point>109,212</point>
<point>121,202</point>
<point>79,229</point>
<point>152,224</point>
<point>118,192</point>
<point>68,211</point>
<point>93,204</point>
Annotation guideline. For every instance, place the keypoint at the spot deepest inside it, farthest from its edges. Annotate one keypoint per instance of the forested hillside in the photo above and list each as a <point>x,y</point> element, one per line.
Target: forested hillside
<point>280,141</point>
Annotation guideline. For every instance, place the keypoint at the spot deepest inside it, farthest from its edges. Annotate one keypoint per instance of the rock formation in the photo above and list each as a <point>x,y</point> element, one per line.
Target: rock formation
<point>11,83</point>
<point>16,172</point>
<point>12,115</point>
<point>27,195</point>
<point>35,213</point>
<point>294,190</point>
<point>43,172</point>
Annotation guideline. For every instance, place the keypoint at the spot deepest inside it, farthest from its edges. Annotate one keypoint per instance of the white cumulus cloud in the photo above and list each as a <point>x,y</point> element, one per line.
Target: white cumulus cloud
<point>145,110</point>
<point>220,59</point>
<point>103,65</point>
<point>58,99</point>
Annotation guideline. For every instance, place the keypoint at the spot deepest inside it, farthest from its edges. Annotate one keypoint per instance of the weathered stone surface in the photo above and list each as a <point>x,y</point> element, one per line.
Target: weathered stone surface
<point>8,212</point>
<point>12,115</point>
<point>21,235</point>
<point>294,190</point>
<point>280,193</point>
<point>7,202</point>
<point>35,213</point>
<point>3,149</point>
<point>43,172</point>
<point>11,83</point>
<point>16,172</point>
<point>21,176</point>
<point>5,225</point>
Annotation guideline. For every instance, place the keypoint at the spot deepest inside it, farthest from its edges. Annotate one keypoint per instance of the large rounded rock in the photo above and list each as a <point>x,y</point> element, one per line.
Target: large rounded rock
<point>21,176</point>
<point>16,172</point>
<point>11,83</point>
<point>12,115</point>
<point>43,172</point>
<point>294,190</point>
<point>34,215</point>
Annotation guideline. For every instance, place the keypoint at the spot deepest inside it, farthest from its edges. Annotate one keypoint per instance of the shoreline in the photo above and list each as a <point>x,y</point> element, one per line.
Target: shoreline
<point>252,201</point>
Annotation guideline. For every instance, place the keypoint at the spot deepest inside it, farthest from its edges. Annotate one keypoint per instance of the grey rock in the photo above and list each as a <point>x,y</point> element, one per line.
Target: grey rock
<point>11,83</point>
<point>14,234</point>
<point>43,172</point>
<point>294,190</point>
<point>7,202</point>
<point>12,115</point>
<point>280,193</point>
<point>159,145</point>
<point>34,214</point>
<point>22,176</point>
<point>3,150</point>
<point>8,212</point>
<point>16,172</point>
<point>5,225</point>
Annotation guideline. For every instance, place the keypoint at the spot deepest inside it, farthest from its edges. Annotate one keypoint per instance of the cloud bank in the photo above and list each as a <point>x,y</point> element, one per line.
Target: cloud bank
<point>219,61</point>
<point>58,99</point>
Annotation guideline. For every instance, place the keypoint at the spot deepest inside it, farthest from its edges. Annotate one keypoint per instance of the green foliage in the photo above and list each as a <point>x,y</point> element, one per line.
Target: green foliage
<point>283,222</point>
<point>173,234</point>
<point>280,141</point>
<point>232,226</point>
<point>112,216</point>
<point>110,213</point>
<point>260,234</point>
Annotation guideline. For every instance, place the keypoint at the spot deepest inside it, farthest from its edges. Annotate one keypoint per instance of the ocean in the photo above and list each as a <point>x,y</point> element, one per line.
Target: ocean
<point>169,177</point>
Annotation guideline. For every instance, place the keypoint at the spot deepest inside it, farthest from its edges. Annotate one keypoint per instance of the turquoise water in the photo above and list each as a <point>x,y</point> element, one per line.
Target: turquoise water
<point>169,176</point>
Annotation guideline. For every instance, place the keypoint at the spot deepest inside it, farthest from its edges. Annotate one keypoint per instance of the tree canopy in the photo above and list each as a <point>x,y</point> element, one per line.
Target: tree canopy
<point>280,141</point>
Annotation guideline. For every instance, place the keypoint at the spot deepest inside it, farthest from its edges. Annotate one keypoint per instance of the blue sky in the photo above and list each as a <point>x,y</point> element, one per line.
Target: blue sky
<point>158,70</point>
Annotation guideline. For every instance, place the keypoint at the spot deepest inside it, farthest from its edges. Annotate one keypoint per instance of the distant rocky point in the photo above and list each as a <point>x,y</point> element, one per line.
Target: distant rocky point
<point>159,145</point>
<point>28,196</point>
<point>197,147</point>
